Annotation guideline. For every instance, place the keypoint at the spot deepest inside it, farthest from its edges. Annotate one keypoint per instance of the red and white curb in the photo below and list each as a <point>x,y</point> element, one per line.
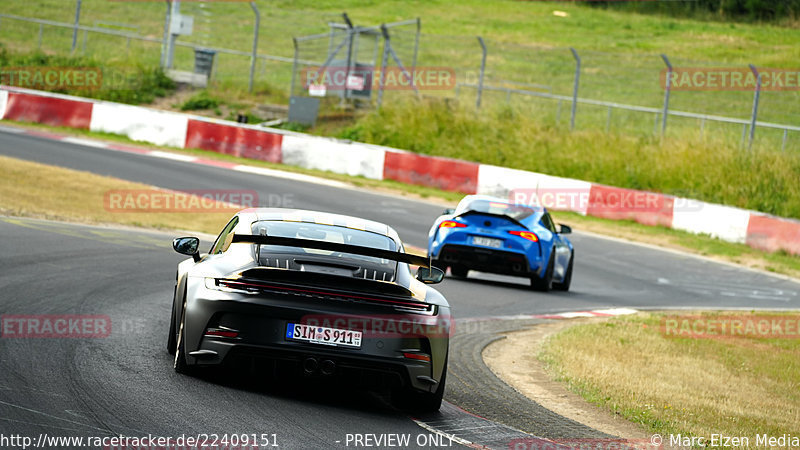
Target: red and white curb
<point>179,157</point>
<point>181,130</point>
<point>608,312</point>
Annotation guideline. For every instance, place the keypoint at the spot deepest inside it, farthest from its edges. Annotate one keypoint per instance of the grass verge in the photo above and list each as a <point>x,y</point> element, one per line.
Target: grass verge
<point>713,170</point>
<point>703,245</point>
<point>737,386</point>
<point>37,190</point>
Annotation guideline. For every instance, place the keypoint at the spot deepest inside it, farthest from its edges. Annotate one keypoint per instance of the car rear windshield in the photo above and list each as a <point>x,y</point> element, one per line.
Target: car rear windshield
<point>516,212</point>
<point>272,255</point>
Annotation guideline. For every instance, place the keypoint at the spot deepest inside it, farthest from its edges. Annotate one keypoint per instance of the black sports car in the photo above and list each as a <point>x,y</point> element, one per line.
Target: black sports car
<point>313,294</point>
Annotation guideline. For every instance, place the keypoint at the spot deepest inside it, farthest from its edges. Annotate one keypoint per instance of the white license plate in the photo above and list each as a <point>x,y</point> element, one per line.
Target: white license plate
<point>487,242</point>
<point>323,335</point>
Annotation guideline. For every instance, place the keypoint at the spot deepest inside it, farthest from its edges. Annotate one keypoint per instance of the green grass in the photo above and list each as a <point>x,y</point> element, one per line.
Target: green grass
<point>714,170</point>
<point>527,44</point>
<point>124,81</point>
<point>735,386</point>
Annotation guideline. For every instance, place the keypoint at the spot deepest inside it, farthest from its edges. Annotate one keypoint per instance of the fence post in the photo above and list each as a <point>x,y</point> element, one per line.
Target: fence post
<point>350,32</point>
<point>416,51</point>
<point>575,88</point>
<point>756,96</point>
<point>174,11</point>
<point>165,39</point>
<point>40,35</point>
<point>483,70</point>
<point>783,143</point>
<point>744,133</point>
<point>666,94</point>
<point>75,29</point>
<point>294,68</point>
<point>384,62</point>
<point>255,45</point>
<point>558,112</point>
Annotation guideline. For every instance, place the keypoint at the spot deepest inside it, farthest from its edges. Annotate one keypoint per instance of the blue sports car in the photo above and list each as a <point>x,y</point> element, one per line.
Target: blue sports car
<point>493,235</point>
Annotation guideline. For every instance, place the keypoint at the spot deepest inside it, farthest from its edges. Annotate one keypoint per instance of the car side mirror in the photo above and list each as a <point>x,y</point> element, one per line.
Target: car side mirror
<point>187,246</point>
<point>448,211</point>
<point>564,229</point>
<point>430,275</point>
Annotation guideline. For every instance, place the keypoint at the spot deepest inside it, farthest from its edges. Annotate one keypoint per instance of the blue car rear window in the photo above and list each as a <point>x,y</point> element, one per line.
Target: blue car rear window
<point>516,212</point>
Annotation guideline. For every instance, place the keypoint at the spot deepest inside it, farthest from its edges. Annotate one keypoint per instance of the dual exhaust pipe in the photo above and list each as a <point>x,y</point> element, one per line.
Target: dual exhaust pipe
<point>311,365</point>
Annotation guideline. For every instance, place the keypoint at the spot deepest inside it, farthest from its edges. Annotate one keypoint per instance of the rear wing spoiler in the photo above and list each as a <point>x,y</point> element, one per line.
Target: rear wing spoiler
<point>333,247</point>
<point>502,216</point>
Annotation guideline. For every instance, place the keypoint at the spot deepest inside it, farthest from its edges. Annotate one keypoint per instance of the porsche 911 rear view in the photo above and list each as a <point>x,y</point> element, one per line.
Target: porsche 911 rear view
<point>310,294</point>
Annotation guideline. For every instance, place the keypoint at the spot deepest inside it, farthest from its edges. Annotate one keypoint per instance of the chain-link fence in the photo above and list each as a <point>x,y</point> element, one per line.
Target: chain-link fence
<point>615,91</point>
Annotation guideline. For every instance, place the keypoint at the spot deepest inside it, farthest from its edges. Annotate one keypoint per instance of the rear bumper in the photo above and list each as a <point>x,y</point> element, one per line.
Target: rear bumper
<point>261,322</point>
<point>488,260</point>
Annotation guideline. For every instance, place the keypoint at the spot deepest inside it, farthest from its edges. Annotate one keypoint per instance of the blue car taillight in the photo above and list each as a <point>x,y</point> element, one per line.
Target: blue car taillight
<point>451,224</point>
<point>529,235</point>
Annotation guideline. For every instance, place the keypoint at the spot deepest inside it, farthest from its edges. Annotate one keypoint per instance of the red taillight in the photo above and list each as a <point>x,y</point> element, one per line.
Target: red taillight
<point>417,356</point>
<point>451,224</point>
<point>529,235</point>
<point>219,332</point>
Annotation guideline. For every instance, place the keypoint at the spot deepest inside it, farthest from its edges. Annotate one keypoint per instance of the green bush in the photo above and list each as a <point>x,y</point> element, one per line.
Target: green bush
<point>201,100</point>
<point>122,82</point>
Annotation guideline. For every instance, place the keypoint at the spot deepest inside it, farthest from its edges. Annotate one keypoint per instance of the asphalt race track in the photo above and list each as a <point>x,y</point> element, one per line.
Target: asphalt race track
<point>124,384</point>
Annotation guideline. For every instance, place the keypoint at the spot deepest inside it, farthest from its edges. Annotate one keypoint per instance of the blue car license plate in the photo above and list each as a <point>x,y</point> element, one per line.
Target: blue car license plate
<point>487,242</point>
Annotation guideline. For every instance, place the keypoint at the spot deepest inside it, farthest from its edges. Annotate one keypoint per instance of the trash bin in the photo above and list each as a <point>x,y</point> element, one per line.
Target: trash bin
<point>203,61</point>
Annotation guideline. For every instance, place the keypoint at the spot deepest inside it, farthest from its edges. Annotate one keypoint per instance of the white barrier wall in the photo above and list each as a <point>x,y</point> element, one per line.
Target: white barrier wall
<point>3,101</point>
<point>314,152</point>
<point>500,181</point>
<point>723,222</point>
<point>141,124</point>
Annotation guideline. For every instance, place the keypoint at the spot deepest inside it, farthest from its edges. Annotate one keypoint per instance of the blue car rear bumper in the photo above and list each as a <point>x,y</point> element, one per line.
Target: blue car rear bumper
<point>513,258</point>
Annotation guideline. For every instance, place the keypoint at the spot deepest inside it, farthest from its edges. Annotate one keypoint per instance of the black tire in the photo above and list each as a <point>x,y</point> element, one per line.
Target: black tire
<point>172,339</point>
<point>180,364</point>
<point>423,402</point>
<point>459,271</point>
<point>564,285</point>
<point>545,283</point>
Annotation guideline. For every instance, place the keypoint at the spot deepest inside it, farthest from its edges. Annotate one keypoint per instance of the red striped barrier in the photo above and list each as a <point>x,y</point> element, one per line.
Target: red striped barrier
<point>234,140</point>
<point>647,208</point>
<point>53,111</point>
<point>763,231</point>
<point>773,233</point>
<point>442,173</point>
